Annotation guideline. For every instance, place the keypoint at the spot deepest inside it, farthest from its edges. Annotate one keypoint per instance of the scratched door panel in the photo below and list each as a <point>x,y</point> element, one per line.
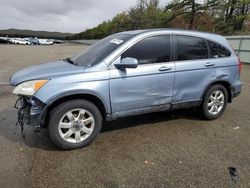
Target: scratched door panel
<point>141,87</point>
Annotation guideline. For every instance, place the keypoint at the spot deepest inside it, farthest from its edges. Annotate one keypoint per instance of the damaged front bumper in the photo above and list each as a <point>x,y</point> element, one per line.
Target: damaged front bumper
<point>29,110</point>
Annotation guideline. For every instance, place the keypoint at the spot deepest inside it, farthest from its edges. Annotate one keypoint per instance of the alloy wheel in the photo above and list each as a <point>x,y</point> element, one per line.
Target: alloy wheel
<point>76,125</point>
<point>216,102</point>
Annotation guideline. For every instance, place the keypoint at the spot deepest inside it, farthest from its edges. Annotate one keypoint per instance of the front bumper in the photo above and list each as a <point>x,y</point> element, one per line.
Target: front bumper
<point>29,109</point>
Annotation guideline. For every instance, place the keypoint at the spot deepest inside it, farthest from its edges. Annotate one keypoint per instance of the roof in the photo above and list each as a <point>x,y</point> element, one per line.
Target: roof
<point>137,32</point>
<point>210,36</point>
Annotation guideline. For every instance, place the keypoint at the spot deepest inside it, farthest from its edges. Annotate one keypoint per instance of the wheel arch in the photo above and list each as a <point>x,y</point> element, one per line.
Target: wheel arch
<point>90,97</point>
<point>224,83</point>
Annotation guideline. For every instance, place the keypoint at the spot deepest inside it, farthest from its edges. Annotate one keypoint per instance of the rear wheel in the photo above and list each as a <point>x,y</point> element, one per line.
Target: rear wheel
<point>214,102</point>
<point>74,124</point>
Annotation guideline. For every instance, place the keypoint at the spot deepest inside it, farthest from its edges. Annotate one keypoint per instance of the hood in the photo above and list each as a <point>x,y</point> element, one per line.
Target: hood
<point>44,71</point>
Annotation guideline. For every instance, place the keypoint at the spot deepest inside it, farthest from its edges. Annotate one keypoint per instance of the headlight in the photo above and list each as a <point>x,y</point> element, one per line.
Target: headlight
<point>29,87</point>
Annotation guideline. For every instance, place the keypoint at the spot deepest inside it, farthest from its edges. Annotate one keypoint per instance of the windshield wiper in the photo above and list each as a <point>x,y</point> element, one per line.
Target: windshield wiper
<point>70,61</point>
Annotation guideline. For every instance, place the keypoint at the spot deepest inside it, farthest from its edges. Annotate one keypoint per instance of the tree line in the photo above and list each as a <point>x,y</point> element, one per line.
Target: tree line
<point>219,16</point>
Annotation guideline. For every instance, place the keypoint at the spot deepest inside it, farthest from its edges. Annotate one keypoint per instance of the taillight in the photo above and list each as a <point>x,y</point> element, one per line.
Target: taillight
<point>240,64</point>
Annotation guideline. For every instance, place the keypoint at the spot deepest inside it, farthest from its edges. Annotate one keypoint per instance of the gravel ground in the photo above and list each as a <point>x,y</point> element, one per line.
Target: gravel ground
<point>172,149</point>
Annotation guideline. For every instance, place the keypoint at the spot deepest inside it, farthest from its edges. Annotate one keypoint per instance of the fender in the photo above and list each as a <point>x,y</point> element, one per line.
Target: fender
<point>68,94</point>
<point>224,83</point>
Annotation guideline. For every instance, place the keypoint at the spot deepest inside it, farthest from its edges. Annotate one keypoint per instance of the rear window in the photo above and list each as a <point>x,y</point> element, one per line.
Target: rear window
<point>217,50</point>
<point>190,48</point>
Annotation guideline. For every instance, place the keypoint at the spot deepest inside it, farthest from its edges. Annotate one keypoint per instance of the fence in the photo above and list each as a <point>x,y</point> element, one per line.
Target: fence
<point>83,41</point>
<point>241,45</point>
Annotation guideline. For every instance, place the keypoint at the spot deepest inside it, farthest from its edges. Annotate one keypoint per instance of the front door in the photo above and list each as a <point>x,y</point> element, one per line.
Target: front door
<point>149,87</point>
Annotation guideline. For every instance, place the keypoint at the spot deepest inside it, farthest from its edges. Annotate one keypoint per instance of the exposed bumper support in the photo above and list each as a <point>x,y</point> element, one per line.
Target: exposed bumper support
<point>29,109</point>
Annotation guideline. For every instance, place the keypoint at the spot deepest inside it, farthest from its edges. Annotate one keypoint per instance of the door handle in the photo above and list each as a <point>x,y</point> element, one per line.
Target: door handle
<point>164,68</point>
<point>208,64</point>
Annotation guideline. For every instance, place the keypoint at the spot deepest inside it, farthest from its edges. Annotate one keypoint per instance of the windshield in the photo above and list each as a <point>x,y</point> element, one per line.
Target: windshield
<point>98,51</point>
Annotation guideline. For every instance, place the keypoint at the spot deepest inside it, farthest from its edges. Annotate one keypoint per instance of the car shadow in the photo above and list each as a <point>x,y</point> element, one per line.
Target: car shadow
<point>150,118</point>
<point>40,139</point>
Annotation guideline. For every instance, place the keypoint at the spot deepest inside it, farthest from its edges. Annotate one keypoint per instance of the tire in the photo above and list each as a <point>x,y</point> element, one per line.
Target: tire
<point>82,110</point>
<point>212,99</point>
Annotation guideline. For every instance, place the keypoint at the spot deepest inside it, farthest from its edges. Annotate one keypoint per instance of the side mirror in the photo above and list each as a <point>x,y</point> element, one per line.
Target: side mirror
<point>127,62</point>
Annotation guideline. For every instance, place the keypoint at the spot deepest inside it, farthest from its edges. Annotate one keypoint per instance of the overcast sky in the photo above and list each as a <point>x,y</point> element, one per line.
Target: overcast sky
<point>60,15</point>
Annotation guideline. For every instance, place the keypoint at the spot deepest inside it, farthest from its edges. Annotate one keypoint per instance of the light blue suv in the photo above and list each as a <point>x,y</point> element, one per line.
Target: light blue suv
<point>128,73</point>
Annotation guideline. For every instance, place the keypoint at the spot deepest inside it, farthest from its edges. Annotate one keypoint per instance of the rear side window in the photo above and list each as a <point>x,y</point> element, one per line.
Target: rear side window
<point>190,48</point>
<point>153,49</point>
<point>217,50</point>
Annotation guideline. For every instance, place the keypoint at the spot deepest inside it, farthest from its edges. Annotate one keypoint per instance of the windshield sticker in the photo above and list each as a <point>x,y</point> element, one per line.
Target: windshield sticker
<point>116,41</point>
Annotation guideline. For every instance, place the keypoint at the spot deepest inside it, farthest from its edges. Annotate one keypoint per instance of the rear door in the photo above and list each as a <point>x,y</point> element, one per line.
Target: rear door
<point>148,86</point>
<point>194,70</point>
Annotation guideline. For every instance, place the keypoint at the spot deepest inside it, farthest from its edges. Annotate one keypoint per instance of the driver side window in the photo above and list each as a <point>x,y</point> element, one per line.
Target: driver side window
<point>155,49</point>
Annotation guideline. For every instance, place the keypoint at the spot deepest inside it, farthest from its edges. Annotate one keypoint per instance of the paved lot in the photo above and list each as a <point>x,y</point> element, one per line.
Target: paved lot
<point>175,149</point>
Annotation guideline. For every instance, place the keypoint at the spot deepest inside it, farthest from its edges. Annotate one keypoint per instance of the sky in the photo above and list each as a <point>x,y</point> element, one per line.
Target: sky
<point>60,15</point>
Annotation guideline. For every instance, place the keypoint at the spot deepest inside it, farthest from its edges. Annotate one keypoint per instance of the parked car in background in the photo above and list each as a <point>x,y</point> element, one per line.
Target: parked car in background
<point>19,41</point>
<point>30,40</point>
<point>34,41</point>
<point>4,40</point>
<point>56,41</point>
<point>128,73</point>
<point>45,42</point>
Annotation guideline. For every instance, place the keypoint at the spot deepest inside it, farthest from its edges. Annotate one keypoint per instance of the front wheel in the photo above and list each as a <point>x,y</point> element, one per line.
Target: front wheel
<point>74,124</point>
<point>214,102</point>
